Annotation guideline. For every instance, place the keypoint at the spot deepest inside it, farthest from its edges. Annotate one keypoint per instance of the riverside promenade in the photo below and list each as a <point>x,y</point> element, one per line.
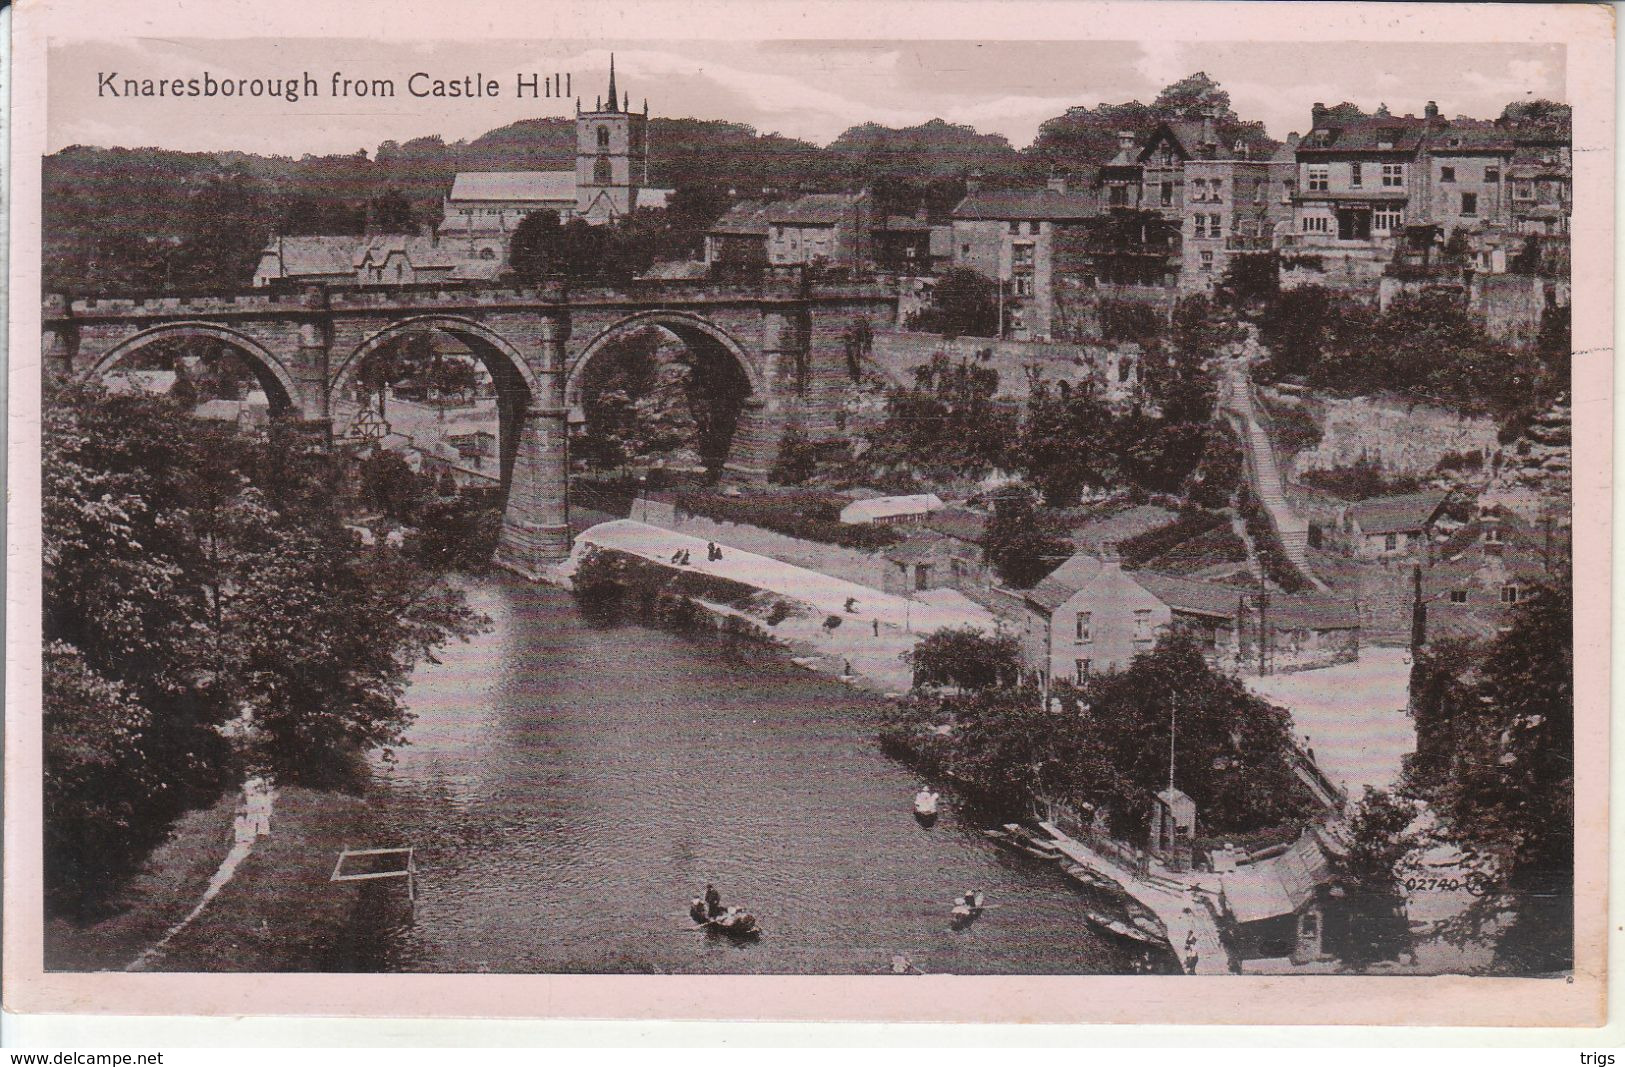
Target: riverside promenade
<point>872,635</point>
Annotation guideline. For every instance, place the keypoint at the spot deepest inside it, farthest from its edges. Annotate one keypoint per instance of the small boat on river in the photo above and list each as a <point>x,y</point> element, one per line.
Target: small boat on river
<point>966,908</point>
<point>1022,839</point>
<point>734,921</point>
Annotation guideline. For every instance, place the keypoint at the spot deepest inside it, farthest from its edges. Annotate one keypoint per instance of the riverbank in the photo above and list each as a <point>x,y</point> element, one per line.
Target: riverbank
<point>279,912</point>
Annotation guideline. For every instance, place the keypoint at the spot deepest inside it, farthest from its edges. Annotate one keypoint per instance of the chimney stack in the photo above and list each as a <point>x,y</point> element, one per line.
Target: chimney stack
<point>1210,140</point>
<point>1431,112</point>
<point>1057,183</point>
<point>1125,140</point>
<point>1317,115</point>
<point>973,182</point>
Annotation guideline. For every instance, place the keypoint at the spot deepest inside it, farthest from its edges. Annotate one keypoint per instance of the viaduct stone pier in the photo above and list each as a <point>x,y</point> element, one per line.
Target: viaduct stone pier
<point>781,345</point>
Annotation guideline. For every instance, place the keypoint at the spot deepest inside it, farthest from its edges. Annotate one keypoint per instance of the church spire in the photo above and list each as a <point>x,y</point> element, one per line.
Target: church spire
<point>612,97</point>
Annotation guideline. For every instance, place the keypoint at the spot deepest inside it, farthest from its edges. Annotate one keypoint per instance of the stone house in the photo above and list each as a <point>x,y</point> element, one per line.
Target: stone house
<point>391,259</point>
<point>821,229</point>
<point>1232,207</point>
<point>943,552</point>
<point>1391,527</point>
<point>1092,616</point>
<point>738,238</point>
<point>1285,904</point>
<point>1476,578</point>
<point>1012,237</point>
<point>902,244</point>
<point>891,510</point>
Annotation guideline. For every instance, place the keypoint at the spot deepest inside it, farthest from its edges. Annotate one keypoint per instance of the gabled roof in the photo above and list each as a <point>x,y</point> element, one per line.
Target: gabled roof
<point>748,217</point>
<point>1027,204</point>
<point>962,524</point>
<point>309,255</point>
<point>1397,514</point>
<point>1313,611</point>
<point>1064,582</point>
<point>1185,135</point>
<point>515,185</point>
<point>1470,137</point>
<point>1191,596</point>
<point>1280,885</point>
<point>814,209</point>
<point>1400,133</point>
<point>884,507</point>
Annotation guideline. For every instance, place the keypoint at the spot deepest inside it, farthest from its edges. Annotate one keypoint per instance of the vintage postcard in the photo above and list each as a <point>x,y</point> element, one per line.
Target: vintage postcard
<point>996,512</point>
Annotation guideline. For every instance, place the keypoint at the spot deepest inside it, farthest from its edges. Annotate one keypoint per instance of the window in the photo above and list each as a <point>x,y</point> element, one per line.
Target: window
<point>1032,228</point>
<point>1356,177</point>
<point>1492,175</point>
<point>964,249</point>
<point>600,171</point>
<point>1081,667</point>
<point>922,577</point>
<point>1142,625</point>
<point>1509,594</point>
<point>1523,190</point>
<point>1119,196</point>
<point>1213,225</point>
<point>1015,227</point>
<point>1085,626</point>
<point>1469,204</point>
<point>603,137</point>
<point>1167,194</point>
<point>1393,175</point>
<point>1023,285</point>
<point>1447,174</point>
<point>1260,190</point>
<point>1387,219</point>
<point>1390,542</point>
<point>1319,178</point>
<point>1021,255</point>
<point>1458,596</point>
<point>1207,261</point>
<point>1317,224</point>
<point>1492,535</point>
<point>1218,188</point>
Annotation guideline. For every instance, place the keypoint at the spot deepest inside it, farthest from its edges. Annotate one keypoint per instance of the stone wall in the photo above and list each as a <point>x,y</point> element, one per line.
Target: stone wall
<point>848,563</point>
<point>1406,438</point>
<point>1116,368</point>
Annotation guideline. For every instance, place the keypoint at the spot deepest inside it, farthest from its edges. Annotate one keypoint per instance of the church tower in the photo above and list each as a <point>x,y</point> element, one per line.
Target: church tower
<point>612,153</point>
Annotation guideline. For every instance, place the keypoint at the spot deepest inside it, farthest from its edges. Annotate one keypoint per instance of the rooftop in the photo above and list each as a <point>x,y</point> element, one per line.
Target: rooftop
<point>1063,583</point>
<point>748,217</point>
<point>514,185</point>
<point>1397,514</point>
<point>1027,204</point>
<point>814,209</point>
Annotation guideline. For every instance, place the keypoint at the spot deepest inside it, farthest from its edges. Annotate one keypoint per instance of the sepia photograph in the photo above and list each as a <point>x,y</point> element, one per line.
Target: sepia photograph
<point>598,505</point>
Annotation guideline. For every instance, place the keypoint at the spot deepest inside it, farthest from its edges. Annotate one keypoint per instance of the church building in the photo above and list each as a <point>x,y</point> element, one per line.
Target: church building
<point>609,180</point>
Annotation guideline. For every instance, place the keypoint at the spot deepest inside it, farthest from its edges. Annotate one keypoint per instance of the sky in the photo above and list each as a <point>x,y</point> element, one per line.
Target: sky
<point>812,90</point>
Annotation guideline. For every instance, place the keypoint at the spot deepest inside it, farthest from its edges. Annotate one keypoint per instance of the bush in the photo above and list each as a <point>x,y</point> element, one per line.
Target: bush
<point>1294,429</point>
<point>1140,549</point>
<point>809,515</point>
<point>1271,556</point>
<point>797,459</point>
<point>1362,480</point>
<point>1214,481</point>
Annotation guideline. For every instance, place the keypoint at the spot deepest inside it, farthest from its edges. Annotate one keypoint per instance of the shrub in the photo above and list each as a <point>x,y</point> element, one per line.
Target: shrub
<point>797,459</point>
<point>1459,461</point>
<point>1361,480</point>
<point>809,515</point>
<point>1271,556</point>
<point>1140,549</point>
<point>1294,429</point>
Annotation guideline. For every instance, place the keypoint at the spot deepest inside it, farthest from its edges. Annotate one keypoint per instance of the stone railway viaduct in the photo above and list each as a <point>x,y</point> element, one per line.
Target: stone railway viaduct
<point>781,340</point>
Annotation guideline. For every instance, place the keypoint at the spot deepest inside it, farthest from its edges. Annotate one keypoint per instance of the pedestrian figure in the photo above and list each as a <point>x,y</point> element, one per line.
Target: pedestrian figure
<point>848,671</point>
<point>717,552</point>
<point>877,626</point>
<point>851,603</point>
<point>1190,962</point>
<point>677,557</point>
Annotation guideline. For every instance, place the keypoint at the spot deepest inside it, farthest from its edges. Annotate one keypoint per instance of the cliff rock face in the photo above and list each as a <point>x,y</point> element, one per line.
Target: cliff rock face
<point>1535,474</point>
<point>1406,439</point>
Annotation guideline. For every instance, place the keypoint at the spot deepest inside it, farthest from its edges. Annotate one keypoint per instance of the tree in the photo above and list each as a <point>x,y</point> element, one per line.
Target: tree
<point>1020,551</point>
<point>797,459</point>
<point>392,213</point>
<point>965,657</point>
<point>1064,444</point>
<point>534,248</point>
<point>1371,871</point>
<point>1495,745</point>
<point>964,303</point>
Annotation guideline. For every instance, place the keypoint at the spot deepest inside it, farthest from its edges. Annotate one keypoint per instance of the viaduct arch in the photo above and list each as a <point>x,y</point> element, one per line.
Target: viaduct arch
<point>779,338</point>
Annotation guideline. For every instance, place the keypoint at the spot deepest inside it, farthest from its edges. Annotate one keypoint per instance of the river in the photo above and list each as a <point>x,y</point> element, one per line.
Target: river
<point>571,784</point>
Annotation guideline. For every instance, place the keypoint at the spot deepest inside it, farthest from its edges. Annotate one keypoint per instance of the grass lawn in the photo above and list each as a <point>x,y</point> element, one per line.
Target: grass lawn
<point>279,913</point>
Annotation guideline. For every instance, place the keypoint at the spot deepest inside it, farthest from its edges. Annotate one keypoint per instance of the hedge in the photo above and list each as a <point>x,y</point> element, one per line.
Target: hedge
<point>1140,549</point>
<point>809,515</point>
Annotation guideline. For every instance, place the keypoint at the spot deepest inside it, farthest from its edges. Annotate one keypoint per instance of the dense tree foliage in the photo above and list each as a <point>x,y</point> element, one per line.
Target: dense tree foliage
<point>964,303</point>
<point>948,422</point>
<point>1495,761</point>
<point>1381,847</point>
<point>965,657</point>
<point>1427,346</point>
<point>1021,551</point>
<point>1106,743</point>
<point>194,578</point>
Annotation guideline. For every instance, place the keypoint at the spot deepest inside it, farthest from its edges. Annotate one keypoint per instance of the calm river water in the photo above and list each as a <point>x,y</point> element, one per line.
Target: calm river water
<point>571,784</point>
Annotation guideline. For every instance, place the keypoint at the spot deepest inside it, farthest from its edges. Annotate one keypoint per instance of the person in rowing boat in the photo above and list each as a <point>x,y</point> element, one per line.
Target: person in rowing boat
<point>713,902</point>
